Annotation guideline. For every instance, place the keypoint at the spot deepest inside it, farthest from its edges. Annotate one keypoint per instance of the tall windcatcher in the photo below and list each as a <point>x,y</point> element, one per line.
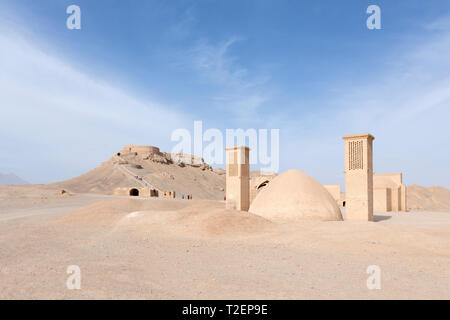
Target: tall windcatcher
<point>359,177</point>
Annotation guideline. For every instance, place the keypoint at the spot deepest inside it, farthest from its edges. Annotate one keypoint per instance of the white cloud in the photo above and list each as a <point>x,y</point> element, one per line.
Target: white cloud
<point>57,121</point>
<point>183,26</point>
<point>215,62</point>
<point>240,92</point>
<point>440,24</point>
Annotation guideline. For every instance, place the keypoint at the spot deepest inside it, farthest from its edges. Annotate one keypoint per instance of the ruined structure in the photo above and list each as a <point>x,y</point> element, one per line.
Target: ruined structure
<point>169,194</point>
<point>238,178</point>
<point>154,154</point>
<point>188,159</point>
<point>136,192</point>
<point>358,177</point>
<point>389,193</point>
<point>144,192</point>
<point>131,148</point>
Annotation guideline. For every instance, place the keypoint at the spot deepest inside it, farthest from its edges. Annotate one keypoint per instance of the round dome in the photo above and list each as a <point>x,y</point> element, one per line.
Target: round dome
<point>294,195</point>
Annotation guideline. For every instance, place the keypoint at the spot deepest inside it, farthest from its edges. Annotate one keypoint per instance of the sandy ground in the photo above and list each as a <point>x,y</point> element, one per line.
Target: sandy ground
<point>179,249</point>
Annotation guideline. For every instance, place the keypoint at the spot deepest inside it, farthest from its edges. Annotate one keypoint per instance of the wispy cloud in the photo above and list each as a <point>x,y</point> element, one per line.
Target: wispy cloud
<point>440,24</point>
<point>64,121</point>
<point>239,91</point>
<point>183,26</point>
<point>405,104</point>
<point>218,65</point>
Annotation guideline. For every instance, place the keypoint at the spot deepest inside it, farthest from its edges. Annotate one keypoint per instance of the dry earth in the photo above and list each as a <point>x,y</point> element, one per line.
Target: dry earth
<point>179,249</point>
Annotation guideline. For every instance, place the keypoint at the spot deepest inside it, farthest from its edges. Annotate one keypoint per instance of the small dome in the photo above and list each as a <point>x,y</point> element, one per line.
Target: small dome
<point>294,195</point>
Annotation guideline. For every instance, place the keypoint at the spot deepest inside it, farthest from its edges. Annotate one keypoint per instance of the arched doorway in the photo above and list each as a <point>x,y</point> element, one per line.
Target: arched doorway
<point>134,192</point>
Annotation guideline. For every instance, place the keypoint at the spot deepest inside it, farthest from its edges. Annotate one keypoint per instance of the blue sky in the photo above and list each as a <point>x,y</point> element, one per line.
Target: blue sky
<point>137,70</point>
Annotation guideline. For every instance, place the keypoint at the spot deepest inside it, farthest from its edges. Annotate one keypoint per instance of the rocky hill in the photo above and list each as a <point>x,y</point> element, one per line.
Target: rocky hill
<point>184,174</point>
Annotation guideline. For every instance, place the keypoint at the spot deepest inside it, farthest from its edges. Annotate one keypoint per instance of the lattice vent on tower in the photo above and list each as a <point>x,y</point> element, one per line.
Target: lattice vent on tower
<point>355,155</point>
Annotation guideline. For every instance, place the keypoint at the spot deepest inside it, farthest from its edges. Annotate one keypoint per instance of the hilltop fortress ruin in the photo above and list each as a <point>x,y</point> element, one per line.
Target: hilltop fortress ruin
<point>145,188</point>
<point>145,171</point>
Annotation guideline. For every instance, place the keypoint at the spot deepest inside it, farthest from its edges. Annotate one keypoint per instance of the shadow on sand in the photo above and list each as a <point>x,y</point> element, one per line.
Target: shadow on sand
<point>377,218</point>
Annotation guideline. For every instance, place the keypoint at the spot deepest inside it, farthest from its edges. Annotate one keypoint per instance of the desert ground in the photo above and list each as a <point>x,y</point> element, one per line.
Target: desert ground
<point>133,248</point>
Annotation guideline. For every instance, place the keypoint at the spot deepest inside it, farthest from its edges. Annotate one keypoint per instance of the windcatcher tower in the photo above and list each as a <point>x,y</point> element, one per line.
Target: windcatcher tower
<point>358,177</point>
<point>238,178</point>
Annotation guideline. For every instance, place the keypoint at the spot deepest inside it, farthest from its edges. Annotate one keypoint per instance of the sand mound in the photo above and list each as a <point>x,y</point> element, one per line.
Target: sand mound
<point>214,220</point>
<point>428,198</point>
<point>111,211</point>
<point>183,218</point>
<point>294,195</point>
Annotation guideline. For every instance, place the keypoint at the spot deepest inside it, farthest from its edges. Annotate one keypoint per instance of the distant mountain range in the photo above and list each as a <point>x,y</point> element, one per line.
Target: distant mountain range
<point>11,179</point>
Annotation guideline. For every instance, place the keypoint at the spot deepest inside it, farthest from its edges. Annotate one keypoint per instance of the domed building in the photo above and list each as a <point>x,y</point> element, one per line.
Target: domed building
<point>294,195</point>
